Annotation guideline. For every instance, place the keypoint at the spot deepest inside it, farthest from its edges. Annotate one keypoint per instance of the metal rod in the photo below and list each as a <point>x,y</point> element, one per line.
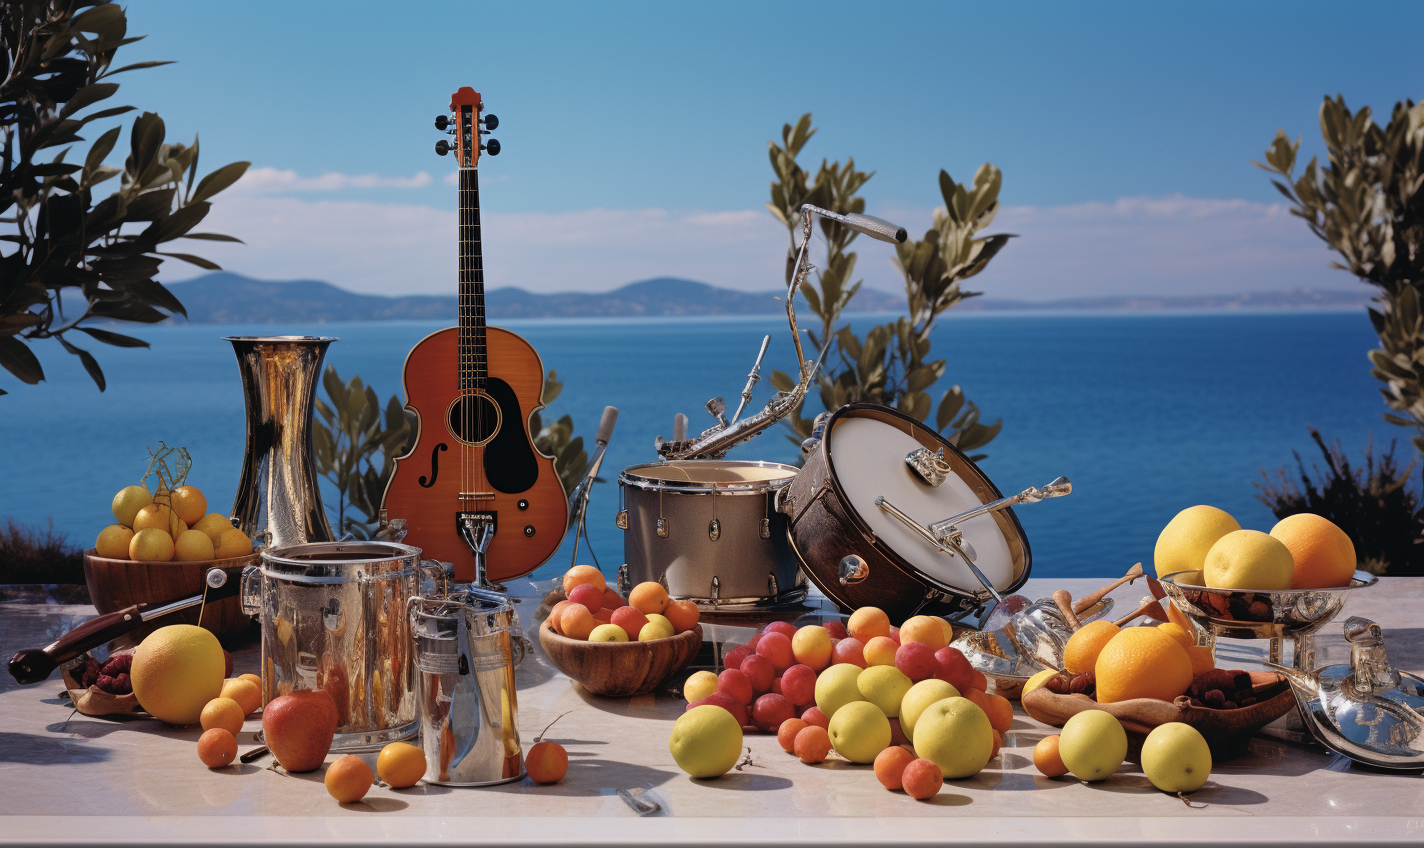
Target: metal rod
<point>752,378</point>
<point>1059,487</point>
<point>946,545</point>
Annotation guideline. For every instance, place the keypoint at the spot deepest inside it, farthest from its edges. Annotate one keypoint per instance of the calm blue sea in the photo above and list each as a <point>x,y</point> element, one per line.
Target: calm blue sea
<point>1146,414</point>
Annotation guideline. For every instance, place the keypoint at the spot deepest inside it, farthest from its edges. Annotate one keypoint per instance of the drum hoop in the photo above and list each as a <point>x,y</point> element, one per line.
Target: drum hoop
<point>885,550</point>
<point>629,477</point>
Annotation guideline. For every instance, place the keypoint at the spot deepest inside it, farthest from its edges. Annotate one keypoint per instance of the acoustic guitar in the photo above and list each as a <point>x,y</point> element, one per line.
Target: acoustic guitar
<point>474,490</point>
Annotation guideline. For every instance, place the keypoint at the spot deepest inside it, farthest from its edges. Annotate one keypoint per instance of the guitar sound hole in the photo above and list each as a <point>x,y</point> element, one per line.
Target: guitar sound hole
<point>474,419</point>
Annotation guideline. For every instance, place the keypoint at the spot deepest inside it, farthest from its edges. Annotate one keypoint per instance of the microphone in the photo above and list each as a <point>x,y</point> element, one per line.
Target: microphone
<point>605,425</point>
<point>869,225</point>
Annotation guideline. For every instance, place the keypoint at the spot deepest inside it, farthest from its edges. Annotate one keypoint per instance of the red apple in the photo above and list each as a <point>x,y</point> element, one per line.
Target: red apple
<point>916,661</point>
<point>298,728</point>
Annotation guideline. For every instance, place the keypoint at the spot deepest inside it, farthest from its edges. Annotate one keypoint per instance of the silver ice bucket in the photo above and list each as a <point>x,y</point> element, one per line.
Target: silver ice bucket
<point>464,660</point>
<point>332,619</point>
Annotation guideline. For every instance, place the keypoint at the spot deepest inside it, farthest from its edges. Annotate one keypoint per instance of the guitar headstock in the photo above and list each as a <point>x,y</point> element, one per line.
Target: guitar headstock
<point>467,123</point>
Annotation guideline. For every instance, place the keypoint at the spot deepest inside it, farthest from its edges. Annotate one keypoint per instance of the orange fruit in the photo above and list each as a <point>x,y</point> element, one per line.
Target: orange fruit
<point>924,628</point>
<point>400,764</point>
<point>349,779</point>
<point>996,707</point>
<point>1083,646</point>
<point>217,747</point>
<point>868,622</point>
<point>577,622</point>
<point>546,762</point>
<point>1047,759</point>
<point>222,712</point>
<point>998,743</point>
<point>1202,660</point>
<point>1142,662</point>
<point>648,598</point>
<point>581,574</point>
<point>1185,637</point>
<point>682,614</point>
<point>555,613</point>
<point>1324,556</point>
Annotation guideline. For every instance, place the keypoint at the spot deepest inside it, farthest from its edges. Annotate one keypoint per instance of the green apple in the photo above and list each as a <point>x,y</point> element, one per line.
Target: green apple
<point>920,696</point>
<point>1176,758</point>
<point>884,686</point>
<point>706,741</point>
<point>954,734</point>
<point>1092,744</point>
<point>836,687</point>
<point>859,731</point>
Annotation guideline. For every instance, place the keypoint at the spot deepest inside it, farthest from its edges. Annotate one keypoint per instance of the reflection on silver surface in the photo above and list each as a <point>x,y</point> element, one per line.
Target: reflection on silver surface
<point>277,502</point>
<point>468,707</point>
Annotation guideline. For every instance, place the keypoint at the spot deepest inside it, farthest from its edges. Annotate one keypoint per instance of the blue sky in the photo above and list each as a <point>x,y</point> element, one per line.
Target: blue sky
<point>635,133</point>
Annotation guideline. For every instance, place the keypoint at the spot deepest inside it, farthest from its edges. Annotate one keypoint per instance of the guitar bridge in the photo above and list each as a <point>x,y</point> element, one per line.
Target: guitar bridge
<point>475,496</point>
<point>477,529</point>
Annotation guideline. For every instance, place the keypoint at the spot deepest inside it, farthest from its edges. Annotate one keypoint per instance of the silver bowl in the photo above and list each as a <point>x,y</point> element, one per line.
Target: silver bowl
<point>1249,614</point>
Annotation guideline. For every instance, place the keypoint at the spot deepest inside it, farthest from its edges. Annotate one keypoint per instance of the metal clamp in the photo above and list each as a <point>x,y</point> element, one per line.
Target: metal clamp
<point>929,466</point>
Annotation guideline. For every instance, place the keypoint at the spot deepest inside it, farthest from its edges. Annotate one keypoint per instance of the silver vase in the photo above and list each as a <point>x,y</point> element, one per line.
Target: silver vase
<point>278,503</point>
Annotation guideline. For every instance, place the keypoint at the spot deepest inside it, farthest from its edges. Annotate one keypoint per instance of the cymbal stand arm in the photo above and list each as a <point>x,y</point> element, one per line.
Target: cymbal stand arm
<point>752,379</point>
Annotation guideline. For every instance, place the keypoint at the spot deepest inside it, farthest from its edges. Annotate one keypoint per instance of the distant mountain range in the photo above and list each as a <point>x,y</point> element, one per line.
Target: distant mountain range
<point>225,298</point>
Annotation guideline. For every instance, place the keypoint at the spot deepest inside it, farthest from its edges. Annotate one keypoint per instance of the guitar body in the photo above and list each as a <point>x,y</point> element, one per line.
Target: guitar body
<point>474,453</point>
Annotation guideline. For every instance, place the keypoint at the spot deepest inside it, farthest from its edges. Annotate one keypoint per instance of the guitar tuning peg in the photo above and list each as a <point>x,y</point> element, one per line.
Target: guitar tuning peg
<point>442,147</point>
<point>491,122</point>
<point>442,121</point>
<point>492,147</point>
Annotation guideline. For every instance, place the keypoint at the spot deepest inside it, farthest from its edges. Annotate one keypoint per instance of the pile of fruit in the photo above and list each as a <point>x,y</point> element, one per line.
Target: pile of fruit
<point>592,611</point>
<point>1303,551</point>
<point>1093,744</point>
<point>168,524</point>
<point>861,688</point>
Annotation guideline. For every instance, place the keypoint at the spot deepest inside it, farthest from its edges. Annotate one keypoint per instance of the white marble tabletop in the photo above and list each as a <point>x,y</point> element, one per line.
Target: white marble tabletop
<point>72,779</point>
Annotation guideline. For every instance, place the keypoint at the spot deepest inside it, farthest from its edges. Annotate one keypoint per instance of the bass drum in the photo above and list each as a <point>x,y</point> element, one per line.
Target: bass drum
<point>708,530</point>
<point>832,512</point>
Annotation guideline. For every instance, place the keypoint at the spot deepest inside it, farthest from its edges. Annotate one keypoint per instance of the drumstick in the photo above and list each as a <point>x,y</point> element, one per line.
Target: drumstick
<point>1087,601</point>
<point>1065,606</point>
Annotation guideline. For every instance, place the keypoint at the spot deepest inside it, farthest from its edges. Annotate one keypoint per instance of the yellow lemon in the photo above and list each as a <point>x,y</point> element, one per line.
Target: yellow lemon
<point>193,546</point>
<point>1038,680</point>
<point>699,685</point>
<point>1184,542</point>
<point>836,687</point>
<point>113,542</point>
<point>1092,744</point>
<point>176,671</point>
<point>860,731</point>
<point>706,741</point>
<point>1249,559</point>
<point>214,524</point>
<point>608,633</point>
<point>189,503</point>
<point>884,686</point>
<point>956,735</point>
<point>232,543</point>
<point>1176,758</point>
<point>151,545</point>
<point>919,698</point>
<point>128,502</point>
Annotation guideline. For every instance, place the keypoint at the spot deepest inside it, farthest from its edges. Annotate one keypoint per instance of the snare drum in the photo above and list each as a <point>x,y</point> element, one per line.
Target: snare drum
<point>833,512</point>
<point>708,530</point>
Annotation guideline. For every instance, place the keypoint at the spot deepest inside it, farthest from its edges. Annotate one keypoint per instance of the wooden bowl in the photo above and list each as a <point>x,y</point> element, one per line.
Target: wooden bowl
<point>118,583</point>
<point>621,669</point>
<point>1225,731</point>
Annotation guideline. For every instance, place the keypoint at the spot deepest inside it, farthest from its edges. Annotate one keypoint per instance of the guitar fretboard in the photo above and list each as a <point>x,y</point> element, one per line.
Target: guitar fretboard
<point>473,366</point>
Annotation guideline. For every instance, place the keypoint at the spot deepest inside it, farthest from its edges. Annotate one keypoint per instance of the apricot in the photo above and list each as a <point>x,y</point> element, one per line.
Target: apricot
<point>247,694</point>
<point>556,613</point>
<point>649,597</point>
<point>786,734</point>
<point>546,762</point>
<point>349,779</point>
<point>924,629</point>
<point>577,622</point>
<point>682,614</point>
<point>812,646</point>
<point>581,574</point>
<point>880,651</point>
<point>812,744</point>
<point>922,779</point>
<point>217,747</point>
<point>998,743</point>
<point>1046,757</point>
<point>997,707</point>
<point>890,766</point>
<point>868,622</point>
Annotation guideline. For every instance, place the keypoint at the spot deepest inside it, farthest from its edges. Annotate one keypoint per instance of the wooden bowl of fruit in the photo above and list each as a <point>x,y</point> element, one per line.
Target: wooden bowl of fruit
<point>621,669</point>
<point>118,583</point>
<point>1227,707</point>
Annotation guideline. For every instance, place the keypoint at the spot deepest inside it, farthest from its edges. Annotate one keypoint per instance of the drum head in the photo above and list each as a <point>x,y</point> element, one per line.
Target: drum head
<point>706,475</point>
<point>866,448</point>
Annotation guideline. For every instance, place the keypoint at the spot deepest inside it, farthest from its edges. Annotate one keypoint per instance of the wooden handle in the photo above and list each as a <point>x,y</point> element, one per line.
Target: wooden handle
<point>1087,601</point>
<point>1152,609</point>
<point>1065,606</point>
<point>34,665</point>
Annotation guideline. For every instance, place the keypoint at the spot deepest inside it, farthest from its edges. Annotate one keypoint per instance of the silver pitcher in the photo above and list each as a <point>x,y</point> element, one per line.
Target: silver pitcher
<point>278,503</point>
<point>464,662</point>
<point>332,619</point>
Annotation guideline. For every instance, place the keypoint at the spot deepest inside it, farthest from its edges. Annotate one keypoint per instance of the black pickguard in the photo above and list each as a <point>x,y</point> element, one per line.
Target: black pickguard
<point>510,463</point>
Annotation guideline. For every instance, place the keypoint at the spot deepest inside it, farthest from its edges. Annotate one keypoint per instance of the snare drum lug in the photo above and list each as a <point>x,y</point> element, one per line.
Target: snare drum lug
<point>766,528</point>
<point>621,519</point>
<point>716,590</point>
<point>714,530</point>
<point>662,528</point>
<point>853,570</point>
<point>623,586</point>
<point>772,589</point>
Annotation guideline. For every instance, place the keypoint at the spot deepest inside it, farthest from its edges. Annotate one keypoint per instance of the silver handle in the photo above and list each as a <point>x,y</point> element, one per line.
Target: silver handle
<point>252,590</point>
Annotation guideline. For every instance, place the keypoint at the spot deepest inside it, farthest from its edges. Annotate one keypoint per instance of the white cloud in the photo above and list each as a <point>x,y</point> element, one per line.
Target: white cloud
<point>273,180</point>
<point>1164,245</point>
